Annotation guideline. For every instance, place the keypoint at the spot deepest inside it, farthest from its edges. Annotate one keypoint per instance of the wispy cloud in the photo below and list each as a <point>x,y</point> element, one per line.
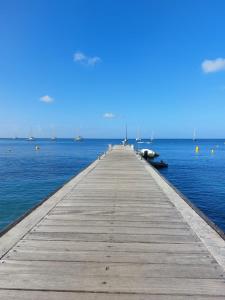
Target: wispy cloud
<point>46,99</point>
<point>109,115</point>
<point>82,58</point>
<point>79,57</point>
<point>214,65</point>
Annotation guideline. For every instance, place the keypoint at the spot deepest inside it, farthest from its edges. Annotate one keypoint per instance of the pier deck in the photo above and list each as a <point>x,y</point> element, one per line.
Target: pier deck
<point>117,231</point>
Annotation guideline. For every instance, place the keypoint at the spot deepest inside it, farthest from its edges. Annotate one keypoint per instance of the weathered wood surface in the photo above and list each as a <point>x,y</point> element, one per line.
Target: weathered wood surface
<point>112,234</point>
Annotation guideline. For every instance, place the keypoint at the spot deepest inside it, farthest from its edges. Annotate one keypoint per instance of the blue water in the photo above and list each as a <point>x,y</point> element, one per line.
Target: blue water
<point>28,176</point>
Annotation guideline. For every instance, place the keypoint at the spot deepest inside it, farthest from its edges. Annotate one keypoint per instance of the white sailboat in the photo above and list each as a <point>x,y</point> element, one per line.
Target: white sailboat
<point>151,138</point>
<point>125,141</point>
<point>138,138</point>
<point>31,137</point>
<point>53,137</point>
<point>78,137</point>
<point>194,135</point>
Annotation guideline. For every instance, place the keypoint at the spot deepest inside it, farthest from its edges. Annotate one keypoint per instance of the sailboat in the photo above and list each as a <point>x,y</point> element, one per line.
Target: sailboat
<point>151,138</point>
<point>194,135</point>
<point>138,138</point>
<point>53,138</point>
<point>125,141</point>
<point>31,137</point>
<point>79,138</point>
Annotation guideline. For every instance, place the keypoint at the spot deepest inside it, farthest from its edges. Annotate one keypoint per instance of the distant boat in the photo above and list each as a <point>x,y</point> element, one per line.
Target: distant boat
<point>138,138</point>
<point>125,141</point>
<point>31,137</point>
<point>194,136</point>
<point>78,138</point>
<point>53,138</point>
<point>152,137</point>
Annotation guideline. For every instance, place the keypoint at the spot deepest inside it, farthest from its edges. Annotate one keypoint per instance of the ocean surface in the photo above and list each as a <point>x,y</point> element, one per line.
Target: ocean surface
<point>28,176</point>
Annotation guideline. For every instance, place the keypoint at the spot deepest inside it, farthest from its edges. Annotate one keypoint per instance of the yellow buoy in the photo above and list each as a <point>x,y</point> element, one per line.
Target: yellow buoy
<point>196,149</point>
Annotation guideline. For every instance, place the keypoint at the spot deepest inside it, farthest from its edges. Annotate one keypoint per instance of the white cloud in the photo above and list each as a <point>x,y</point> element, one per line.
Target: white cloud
<point>109,115</point>
<point>216,65</point>
<point>46,99</point>
<point>93,60</point>
<point>80,57</point>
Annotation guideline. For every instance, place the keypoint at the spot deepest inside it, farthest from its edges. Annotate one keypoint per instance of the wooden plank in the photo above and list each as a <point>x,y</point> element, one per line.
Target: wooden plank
<point>113,204</point>
<point>85,269</point>
<point>51,295</point>
<point>114,209</point>
<point>180,286</point>
<point>111,237</point>
<point>147,224</point>
<point>133,218</point>
<point>108,212</point>
<point>66,246</point>
<point>114,230</point>
<point>116,257</point>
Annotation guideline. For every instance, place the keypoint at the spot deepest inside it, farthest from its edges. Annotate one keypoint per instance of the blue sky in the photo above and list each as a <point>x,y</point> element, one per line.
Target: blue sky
<point>90,66</point>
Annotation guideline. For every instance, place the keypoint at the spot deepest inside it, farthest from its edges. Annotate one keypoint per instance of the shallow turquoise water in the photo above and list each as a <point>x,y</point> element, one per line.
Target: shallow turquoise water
<point>28,176</point>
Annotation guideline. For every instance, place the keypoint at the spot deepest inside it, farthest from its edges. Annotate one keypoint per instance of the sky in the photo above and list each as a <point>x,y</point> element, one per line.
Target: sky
<point>89,67</point>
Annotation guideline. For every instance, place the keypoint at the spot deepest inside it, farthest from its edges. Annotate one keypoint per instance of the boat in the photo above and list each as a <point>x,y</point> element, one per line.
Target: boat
<point>138,138</point>
<point>158,164</point>
<point>148,153</point>
<point>78,138</point>
<point>152,137</point>
<point>125,141</point>
<point>194,136</point>
<point>53,137</point>
<point>31,137</point>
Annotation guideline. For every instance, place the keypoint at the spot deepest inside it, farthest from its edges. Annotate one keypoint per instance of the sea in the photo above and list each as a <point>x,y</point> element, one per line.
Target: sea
<point>27,175</point>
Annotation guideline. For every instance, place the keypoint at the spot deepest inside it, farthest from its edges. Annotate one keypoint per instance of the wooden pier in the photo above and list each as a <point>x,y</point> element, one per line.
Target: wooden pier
<point>117,231</point>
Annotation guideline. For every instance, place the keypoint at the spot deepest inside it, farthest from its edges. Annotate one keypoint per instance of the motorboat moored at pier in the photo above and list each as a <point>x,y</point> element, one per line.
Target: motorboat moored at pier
<point>148,153</point>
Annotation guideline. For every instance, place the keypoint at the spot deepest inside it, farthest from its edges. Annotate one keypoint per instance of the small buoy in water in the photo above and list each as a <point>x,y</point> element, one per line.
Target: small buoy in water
<point>37,148</point>
<point>196,149</point>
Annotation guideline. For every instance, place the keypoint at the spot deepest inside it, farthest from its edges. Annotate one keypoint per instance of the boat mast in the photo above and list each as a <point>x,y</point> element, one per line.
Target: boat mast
<point>126,133</point>
<point>194,135</point>
<point>152,136</point>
